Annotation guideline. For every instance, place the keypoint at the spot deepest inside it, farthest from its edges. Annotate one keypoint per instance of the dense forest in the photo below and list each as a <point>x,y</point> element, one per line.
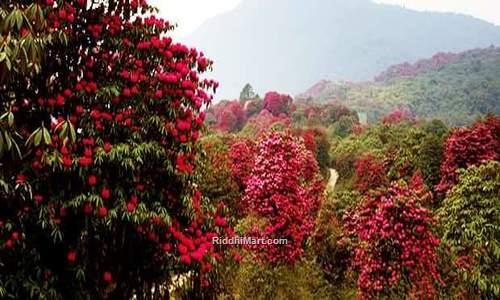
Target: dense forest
<point>456,88</point>
<point>410,206</point>
<point>122,178</point>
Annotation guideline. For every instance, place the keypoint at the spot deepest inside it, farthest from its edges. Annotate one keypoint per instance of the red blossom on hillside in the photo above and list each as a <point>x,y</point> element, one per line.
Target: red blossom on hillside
<point>391,233</point>
<point>277,104</point>
<point>266,120</point>
<point>229,116</point>
<point>285,190</point>
<point>467,147</point>
<point>370,173</point>
<point>108,125</point>
<point>424,65</point>
<point>242,156</point>
<point>399,115</point>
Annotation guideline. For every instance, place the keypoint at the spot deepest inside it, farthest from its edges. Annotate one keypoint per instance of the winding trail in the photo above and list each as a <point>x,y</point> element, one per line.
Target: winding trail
<point>334,176</point>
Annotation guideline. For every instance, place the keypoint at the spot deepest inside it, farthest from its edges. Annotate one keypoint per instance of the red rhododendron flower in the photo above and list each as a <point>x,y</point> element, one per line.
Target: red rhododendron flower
<point>71,257</point>
<point>277,104</point>
<point>102,212</point>
<point>15,236</point>
<point>467,147</point>
<point>92,180</point>
<point>87,208</point>
<point>394,244</point>
<point>38,198</point>
<point>9,244</point>
<point>182,165</point>
<point>186,259</point>
<point>182,249</point>
<point>20,179</point>
<point>107,277</point>
<point>285,189</point>
<point>105,193</point>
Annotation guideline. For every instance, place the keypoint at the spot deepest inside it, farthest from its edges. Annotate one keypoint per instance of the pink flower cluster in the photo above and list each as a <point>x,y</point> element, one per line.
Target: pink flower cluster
<point>393,243</point>
<point>284,190</point>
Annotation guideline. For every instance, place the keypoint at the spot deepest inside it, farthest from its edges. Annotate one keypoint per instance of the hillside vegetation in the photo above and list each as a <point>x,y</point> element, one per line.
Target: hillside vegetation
<point>456,88</point>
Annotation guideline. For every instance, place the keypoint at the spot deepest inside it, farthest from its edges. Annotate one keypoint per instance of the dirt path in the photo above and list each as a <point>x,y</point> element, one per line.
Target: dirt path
<point>334,175</point>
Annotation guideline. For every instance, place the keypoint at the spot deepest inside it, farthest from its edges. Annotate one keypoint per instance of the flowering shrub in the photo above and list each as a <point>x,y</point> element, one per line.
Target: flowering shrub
<point>468,147</point>
<point>370,173</point>
<point>470,217</point>
<point>229,116</point>
<point>313,114</point>
<point>101,204</point>
<point>393,245</point>
<point>277,104</point>
<point>259,124</point>
<point>284,189</point>
<point>242,156</point>
<point>399,115</point>
<point>316,141</point>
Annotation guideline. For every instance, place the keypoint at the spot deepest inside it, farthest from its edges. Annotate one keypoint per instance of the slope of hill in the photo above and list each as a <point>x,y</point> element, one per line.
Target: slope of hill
<point>458,91</point>
<point>288,45</point>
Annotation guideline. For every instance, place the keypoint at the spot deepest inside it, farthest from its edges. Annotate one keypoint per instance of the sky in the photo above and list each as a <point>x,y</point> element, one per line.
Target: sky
<point>190,14</point>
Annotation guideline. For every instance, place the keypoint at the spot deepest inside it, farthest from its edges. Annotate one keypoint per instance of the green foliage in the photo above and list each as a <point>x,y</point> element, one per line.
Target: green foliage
<point>345,152</point>
<point>470,217</point>
<point>456,93</point>
<point>406,148</point>
<point>247,93</point>
<point>343,127</point>
<point>23,38</point>
<point>303,280</point>
<point>416,150</point>
<point>333,255</point>
<point>213,170</point>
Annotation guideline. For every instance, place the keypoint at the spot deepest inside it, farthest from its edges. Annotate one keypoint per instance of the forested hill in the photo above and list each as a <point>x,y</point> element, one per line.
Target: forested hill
<point>453,87</point>
<point>287,45</point>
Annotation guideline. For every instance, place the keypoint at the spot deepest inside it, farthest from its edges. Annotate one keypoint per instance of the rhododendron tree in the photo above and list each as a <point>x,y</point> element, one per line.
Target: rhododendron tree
<point>284,190</point>
<point>370,173</point>
<point>102,204</point>
<point>399,115</point>
<point>229,116</point>
<point>242,156</point>
<point>470,218</point>
<point>467,147</point>
<point>393,245</point>
<point>277,104</point>
<point>316,141</point>
<point>261,123</point>
<point>313,114</point>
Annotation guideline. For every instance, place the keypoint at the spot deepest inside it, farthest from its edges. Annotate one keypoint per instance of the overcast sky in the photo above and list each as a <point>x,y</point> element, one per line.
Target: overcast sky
<point>189,14</point>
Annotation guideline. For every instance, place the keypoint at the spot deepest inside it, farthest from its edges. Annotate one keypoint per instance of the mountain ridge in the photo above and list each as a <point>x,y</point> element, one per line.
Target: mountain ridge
<point>454,87</point>
<point>262,42</point>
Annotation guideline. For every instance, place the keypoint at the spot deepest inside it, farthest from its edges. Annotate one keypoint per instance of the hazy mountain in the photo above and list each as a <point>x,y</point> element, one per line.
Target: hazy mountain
<point>288,45</point>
